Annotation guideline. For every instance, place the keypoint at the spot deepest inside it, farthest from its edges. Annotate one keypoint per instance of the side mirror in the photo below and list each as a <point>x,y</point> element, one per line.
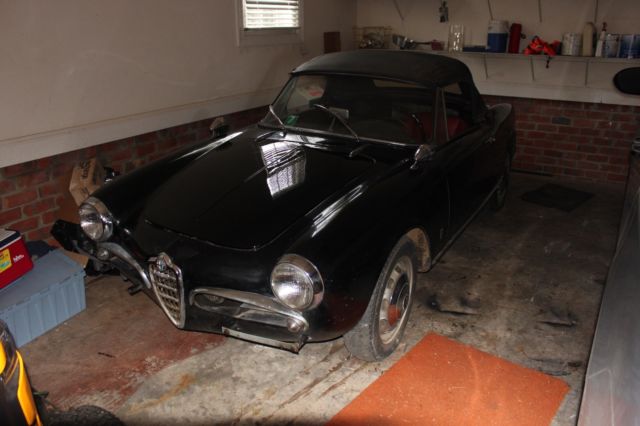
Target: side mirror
<point>628,81</point>
<point>219,128</point>
<point>424,152</point>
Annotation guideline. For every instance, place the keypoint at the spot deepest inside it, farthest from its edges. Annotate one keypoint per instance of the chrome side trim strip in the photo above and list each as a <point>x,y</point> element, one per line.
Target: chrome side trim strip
<point>257,300</point>
<point>124,255</point>
<point>464,225</point>
<point>292,347</point>
<point>322,219</point>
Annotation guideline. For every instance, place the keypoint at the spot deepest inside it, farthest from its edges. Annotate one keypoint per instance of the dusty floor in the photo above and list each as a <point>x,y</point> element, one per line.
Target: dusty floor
<point>523,284</point>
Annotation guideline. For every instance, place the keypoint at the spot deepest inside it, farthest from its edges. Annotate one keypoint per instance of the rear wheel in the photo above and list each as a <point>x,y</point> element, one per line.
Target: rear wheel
<point>500,195</point>
<point>382,326</point>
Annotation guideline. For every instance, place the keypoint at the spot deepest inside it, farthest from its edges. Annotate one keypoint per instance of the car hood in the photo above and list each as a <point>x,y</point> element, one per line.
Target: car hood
<point>245,192</point>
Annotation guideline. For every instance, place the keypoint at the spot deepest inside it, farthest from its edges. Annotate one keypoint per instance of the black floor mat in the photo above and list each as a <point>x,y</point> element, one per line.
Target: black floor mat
<point>557,197</point>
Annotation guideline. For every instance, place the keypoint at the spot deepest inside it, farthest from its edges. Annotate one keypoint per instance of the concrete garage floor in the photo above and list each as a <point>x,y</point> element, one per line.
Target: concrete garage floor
<point>523,284</point>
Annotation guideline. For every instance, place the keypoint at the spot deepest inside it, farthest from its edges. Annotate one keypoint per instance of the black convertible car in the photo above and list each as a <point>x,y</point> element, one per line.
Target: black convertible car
<point>313,223</point>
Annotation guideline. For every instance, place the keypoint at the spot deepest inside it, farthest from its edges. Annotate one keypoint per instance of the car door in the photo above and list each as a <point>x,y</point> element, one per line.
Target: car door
<point>468,149</point>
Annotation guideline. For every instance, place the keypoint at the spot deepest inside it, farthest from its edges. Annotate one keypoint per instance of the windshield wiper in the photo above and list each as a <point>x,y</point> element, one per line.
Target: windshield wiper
<point>273,113</point>
<point>358,150</point>
<point>339,118</point>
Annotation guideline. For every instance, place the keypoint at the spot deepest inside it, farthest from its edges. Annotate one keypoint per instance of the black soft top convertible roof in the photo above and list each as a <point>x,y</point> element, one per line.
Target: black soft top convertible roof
<point>410,66</point>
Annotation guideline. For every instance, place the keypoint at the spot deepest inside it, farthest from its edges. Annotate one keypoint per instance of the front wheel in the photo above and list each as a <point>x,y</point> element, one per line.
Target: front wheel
<point>382,326</point>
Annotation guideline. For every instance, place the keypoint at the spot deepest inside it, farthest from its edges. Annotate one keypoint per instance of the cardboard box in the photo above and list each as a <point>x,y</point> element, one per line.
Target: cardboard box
<point>15,260</point>
<point>69,212</point>
<point>85,179</point>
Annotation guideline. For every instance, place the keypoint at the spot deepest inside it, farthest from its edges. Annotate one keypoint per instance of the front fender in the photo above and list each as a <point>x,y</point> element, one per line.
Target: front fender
<point>350,251</point>
<point>125,195</point>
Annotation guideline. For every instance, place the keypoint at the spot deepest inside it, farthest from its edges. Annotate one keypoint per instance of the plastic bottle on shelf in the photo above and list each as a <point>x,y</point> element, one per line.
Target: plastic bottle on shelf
<point>515,34</point>
<point>587,39</point>
<point>497,36</point>
<point>601,39</point>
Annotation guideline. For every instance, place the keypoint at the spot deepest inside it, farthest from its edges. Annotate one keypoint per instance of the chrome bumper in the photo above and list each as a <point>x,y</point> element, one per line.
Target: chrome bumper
<point>241,305</point>
<point>248,306</point>
<point>288,346</point>
<point>106,251</point>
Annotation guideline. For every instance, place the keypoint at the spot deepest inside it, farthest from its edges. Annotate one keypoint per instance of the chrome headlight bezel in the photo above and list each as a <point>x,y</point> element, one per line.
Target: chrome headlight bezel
<point>312,280</point>
<point>94,212</point>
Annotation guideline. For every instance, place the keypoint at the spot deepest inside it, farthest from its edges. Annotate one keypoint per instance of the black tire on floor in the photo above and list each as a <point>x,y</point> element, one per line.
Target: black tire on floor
<point>499,197</point>
<point>381,328</point>
<point>85,415</point>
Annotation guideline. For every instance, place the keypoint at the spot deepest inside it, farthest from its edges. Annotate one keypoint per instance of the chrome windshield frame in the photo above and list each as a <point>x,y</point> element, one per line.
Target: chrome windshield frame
<point>359,138</point>
<point>341,135</point>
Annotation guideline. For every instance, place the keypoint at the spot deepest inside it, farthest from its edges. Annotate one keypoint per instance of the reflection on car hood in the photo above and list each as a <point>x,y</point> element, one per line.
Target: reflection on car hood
<point>247,191</point>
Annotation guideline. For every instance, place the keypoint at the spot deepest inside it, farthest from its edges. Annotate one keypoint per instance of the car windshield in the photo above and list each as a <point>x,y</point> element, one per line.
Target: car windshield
<point>356,107</point>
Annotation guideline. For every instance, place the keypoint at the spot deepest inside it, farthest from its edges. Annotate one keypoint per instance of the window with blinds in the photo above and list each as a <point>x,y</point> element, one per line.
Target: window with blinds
<point>271,14</point>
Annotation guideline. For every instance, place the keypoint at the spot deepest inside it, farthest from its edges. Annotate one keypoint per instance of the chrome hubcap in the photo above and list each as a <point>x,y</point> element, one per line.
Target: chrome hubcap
<point>395,300</point>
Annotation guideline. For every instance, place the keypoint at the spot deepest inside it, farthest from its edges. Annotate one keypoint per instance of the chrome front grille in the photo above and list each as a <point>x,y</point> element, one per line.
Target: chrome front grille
<point>166,280</point>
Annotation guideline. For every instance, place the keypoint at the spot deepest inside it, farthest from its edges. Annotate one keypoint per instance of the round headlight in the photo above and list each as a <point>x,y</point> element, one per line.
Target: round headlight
<point>95,219</point>
<point>296,282</point>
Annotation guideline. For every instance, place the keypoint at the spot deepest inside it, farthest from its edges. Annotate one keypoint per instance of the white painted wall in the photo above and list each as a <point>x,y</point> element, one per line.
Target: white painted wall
<point>76,73</point>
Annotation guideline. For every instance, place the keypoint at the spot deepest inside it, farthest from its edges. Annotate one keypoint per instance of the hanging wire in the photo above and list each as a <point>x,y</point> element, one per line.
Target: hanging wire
<point>395,2</point>
<point>540,10</point>
<point>490,10</point>
<point>444,11</point>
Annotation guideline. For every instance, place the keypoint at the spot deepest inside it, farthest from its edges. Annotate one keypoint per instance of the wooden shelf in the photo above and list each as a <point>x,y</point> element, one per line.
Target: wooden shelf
<point>633,62</point>
<point>572,78</point>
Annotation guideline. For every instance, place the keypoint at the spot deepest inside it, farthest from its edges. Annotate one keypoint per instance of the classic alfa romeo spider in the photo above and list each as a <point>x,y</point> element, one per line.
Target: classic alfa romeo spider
<point>313,223</point>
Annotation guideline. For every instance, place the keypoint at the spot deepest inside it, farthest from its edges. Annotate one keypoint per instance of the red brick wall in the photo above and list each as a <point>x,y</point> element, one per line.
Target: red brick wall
<point>577,140</point>
<point>571,139</point>
<point>31,193</point>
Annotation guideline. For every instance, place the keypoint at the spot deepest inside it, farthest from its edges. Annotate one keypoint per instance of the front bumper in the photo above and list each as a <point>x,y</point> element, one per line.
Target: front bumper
<point>246,315</point>
<point>283,327</point>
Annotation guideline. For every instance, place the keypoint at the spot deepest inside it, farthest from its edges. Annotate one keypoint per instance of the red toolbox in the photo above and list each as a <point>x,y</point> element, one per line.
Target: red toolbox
<point>14,258</point>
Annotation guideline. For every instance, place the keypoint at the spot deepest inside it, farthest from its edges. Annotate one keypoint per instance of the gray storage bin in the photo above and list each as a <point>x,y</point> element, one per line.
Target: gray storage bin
<point>52,292</point>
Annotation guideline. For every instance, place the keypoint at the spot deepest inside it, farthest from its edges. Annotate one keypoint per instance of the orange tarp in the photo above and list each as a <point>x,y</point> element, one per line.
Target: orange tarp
<point>443,382</point>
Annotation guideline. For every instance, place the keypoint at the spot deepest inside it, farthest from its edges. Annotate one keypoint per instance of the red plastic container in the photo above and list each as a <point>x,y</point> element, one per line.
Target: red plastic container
<point>14,257</point>
<point>515,34</point>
